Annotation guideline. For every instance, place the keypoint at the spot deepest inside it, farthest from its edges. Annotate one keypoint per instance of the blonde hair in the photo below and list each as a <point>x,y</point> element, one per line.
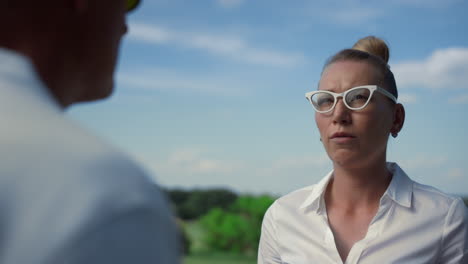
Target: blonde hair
<point>374,46</point>
<point>374,51</point>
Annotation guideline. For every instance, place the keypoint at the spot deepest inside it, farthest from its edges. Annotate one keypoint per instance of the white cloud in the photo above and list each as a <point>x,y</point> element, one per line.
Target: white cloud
<point>286,174</point>
<point>168,80</point>
<point>229,3</point>
<point>294,164</point>
<point>354,15</point>
<point>366,15</point>
<point>198,167</point>
<point>301,162</point>
<point>216,44</point>
<point>443,69</point>
<point>189,161</point>
<point>192,168</point>
<point>345,13</point>
<point>455,173</point>
<point>232,47</point>
<point>195,161</point>
<point>423,161</point>
<point>151,34</point>
<point>426,3</point>
<point>406,98</point>
<point>462,99</point>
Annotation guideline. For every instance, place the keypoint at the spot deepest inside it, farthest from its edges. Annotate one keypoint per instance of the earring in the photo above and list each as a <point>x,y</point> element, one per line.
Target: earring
<point>394,134</point>
<point>320,139</point>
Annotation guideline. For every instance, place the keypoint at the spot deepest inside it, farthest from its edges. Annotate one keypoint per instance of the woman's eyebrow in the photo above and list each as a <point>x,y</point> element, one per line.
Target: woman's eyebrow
<point>327,89</point>
<point>332,89</point>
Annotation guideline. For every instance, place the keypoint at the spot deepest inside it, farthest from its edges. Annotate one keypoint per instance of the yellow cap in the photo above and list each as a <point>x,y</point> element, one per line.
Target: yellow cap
<point>132,4</point>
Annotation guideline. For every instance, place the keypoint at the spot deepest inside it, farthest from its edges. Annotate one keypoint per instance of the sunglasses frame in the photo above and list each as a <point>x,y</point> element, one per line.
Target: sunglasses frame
<point>371,88</point>
<point>132,4</point>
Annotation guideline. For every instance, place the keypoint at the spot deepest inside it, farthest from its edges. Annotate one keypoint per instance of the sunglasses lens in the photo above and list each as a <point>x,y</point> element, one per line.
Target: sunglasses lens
<point>322,101</point>
<point>358,98</point>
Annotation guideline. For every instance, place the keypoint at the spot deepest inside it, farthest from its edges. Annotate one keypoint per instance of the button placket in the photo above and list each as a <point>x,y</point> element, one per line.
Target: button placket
<point>373,231</point>
<point>329,240</point>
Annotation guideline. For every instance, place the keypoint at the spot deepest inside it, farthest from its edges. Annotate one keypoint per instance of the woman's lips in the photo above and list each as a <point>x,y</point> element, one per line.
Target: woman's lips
<point>342,137</point>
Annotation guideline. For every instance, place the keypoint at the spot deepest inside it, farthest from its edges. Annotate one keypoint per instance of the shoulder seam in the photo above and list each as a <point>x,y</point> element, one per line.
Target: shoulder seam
<point>419,186</point>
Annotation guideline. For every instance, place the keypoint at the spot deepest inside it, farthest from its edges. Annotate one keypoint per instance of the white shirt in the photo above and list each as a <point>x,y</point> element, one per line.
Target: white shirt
<point>415,224</point>
<point>66,196</point>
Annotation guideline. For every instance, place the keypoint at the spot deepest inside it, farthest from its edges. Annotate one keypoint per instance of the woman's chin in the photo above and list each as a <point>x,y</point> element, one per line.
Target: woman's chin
<point>347,158</point>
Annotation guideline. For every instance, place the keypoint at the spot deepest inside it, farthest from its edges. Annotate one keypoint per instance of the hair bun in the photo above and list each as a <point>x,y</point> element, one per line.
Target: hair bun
<point>374,46</point>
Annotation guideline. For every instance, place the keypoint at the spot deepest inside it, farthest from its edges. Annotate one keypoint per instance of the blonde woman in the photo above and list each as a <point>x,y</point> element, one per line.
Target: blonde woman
<point>366,210</point>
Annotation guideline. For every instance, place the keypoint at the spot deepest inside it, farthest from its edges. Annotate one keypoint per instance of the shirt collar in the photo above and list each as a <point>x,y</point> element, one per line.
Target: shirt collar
<point>400,190</point>
<point>315,201</point>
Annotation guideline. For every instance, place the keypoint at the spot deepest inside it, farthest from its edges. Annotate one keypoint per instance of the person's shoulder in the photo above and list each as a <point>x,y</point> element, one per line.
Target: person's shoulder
<point>432,197</point>
<point>428,191</point>
<point>294,199</point>
<point>114,179</point>
<point>96,170</point>
<point>297,195</point>
<point>423,197</point>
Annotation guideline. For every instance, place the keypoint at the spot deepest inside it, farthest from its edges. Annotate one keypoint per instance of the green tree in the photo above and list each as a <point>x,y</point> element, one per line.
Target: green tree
<point>253,208</point>
<point>236,229</point>
<point>192,204</point>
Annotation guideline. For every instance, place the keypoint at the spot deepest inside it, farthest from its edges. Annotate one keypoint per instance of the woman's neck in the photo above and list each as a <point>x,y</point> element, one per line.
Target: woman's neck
<point>358,188</point>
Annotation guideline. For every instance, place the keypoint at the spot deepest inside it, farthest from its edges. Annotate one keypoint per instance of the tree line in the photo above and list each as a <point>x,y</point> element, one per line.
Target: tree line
<point>192,204</point>
<point>232,222</point>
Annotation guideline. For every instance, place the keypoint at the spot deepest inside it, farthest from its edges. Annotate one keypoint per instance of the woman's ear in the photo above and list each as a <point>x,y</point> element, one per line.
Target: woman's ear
<point>398,119</point>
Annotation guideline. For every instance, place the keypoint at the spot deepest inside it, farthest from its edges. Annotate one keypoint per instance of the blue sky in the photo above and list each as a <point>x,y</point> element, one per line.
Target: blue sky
<point>211,93</point>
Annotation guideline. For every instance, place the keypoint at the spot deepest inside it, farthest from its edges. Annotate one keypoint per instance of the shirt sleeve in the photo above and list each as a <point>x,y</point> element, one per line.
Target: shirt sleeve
<point>141,236</point>
<point>268,248</point>
<point>455,236</point>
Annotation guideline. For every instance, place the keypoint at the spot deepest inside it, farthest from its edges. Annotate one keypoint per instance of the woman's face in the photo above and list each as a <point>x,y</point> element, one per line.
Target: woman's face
<point>354,139</point>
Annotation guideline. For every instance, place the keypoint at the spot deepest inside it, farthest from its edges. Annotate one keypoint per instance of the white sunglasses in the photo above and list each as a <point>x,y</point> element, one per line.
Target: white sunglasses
<point>355,98</point>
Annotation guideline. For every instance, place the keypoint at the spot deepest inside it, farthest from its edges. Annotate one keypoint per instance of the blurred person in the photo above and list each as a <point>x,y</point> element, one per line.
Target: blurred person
<point>67,196</point>
<point>366,210</point>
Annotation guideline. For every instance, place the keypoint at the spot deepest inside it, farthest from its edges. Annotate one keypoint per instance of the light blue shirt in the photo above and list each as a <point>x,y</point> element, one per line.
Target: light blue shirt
<point>67,196</point>
<point>415,224</point>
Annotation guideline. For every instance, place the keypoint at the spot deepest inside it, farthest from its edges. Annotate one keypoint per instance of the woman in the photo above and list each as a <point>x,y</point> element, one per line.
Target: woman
<point>367,210</point>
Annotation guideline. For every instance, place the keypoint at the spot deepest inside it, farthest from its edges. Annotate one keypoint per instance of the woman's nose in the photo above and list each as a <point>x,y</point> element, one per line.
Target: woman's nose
<point>341,113</point>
